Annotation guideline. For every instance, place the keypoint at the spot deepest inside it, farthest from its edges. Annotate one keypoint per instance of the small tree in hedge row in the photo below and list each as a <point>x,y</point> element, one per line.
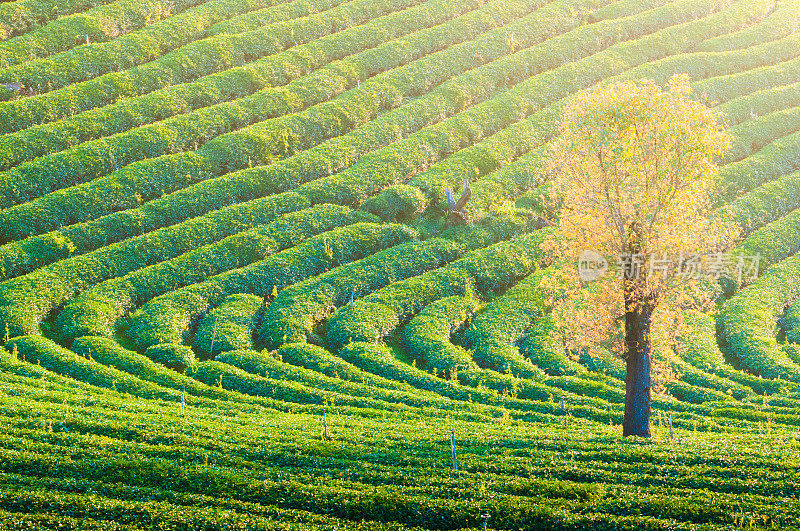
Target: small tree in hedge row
<point>634,172</point>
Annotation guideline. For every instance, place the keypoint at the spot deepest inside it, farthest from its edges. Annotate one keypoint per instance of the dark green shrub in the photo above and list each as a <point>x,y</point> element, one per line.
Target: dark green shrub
<point>176,357</point>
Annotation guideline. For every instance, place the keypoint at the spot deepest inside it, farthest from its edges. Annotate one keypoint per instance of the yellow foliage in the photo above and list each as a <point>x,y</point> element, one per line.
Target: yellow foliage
<point>633,170</point>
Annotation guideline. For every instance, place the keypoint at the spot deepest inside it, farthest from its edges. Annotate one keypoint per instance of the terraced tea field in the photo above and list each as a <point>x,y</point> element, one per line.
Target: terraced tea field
<point>230,297</point>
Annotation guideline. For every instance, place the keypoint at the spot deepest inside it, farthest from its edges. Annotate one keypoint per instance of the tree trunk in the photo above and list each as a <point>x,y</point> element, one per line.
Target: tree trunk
<point>637,377</point>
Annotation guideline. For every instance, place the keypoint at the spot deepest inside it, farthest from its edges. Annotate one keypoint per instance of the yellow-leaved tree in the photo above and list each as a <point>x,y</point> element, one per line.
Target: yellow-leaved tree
<point>634,169</point>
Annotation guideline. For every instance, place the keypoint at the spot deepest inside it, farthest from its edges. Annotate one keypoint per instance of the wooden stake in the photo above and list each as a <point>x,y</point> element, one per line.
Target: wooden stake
<point>213,336</point>
<point>325,433</point>
<point>671,434</point>
<point>453,449</point>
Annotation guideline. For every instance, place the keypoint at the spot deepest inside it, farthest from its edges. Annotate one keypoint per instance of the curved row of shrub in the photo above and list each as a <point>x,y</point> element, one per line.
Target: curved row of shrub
<point>516,183</point>
<point>774,242</point>
<point>427,337</point>
<point>119,190</point>
<point>42,351</point>
<point>482,162</point>
<point>22,16</point>
<point>260,143</point>
<point>273,70</point>
<point>264,365</point>
<point>189,62</point>
<point>97,310</point>
<point>513,335</point>
<point>777,158</point>
<point>790,322</point>
<point>270,14</point>
<point>85,63</point>
<point>733,85</point>
<point>229,326</point>
<point>494,332</point>
<point>13,368</point>
<point>298,308</point>
<point>26,300</point>
<point>711,386</point>
<point>79,511</point>
<point>109,353</point>
<point>230,378</point>
<point>752,135</point>
<point>761,102</point>
<point>103,22</point>
<point>777,21</point>
<point>489,270</point>
<point>702,65</point>
<point>700,349</point>
<point>166,318</point>
<point>764,204</point>
<point>404,158</point>
<point>316,358</point>
<point>277,69</point>
<point>747,321</point>
<point>518,395</point>
<point>30,140</point>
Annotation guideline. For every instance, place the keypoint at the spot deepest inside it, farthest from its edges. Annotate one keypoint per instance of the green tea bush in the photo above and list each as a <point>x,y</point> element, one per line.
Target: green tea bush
<point>764,204</point>
<point>42,351</point>
<point>194,60</point>
<point>170,172</point>
<point>97,310</point>
<point>752,135</point>
<point>257,143</point>
<point>494,333</point>
<point>26,300</point>
<point>22,16</point>
<point>700,349</point>
<point>108,352</point>
<point>397,203</point>
<point>230,326</point>
<point>231,84</point>
<point>777,158</point>
<point>761,103</point>
<point>776,24</point>
<point>488,271</point>
<point>791,322</point>
<point>706,65</point>
<point>531,88</point>
<point>774,242</point>
<point>262,364</point>
<point>732,86</point>
<point>298,308</point>
<point>318,359</point>
<point>428,336</point>
<point>101,23</point>
<point>176,357</point>
<point>165,319</point>
<point>747,322</point>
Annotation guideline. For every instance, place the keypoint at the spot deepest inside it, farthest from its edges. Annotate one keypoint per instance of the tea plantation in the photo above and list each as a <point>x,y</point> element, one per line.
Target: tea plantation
<point>231,298</point>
